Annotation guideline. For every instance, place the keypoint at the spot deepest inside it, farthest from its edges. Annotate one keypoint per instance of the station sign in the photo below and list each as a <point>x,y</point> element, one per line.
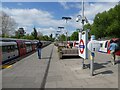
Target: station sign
<point>81,46</point>
<point>83,39</point>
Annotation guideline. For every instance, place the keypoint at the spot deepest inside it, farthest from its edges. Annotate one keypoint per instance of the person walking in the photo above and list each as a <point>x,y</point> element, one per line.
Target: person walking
<point>39,46</point>
<point>113,48</point>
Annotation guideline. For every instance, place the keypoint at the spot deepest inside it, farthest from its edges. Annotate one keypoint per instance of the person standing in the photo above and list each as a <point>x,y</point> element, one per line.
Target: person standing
<point>39,46</point>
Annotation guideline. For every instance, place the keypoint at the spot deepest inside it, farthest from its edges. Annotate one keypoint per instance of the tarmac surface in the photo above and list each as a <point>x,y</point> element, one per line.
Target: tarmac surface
<point>52,72</point>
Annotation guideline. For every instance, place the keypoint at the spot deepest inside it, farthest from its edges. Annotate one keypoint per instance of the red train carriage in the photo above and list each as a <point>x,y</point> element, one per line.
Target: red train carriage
<point>21,47</point>
<point>13,48</point>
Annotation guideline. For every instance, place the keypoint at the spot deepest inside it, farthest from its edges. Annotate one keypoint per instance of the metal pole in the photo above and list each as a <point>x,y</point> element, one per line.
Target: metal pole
<point>66,18</point>
<point>92,64</point>
<point>82,8</point>
<point>82,29</point>
<point>66,31</point>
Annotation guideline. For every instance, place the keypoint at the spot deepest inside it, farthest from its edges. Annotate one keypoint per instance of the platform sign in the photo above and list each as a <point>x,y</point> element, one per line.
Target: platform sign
<point>93,46</point>
<point>83,39</point>
<point>81,46</point>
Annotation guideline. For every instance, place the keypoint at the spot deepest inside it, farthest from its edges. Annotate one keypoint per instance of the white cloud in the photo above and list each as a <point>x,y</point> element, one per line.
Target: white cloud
<point>32,17</point>
<point>45,21</point>
<point>47,31</point>
<point>28,16</point>
<point>91,9</point>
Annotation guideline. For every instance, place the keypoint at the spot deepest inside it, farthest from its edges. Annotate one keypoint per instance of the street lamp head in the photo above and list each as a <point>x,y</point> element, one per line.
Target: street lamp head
<point>66,18</point>
<point>79,17</point>
<point>61,27</point>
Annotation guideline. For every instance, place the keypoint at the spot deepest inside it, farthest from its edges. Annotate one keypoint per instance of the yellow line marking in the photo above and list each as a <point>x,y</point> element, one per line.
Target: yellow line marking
<point>6,66</point>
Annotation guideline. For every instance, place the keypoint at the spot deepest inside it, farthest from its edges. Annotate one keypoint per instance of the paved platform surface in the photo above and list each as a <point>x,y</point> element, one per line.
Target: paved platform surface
<point>62,73</point>
<point>28,72</point>
<point>67,73</point>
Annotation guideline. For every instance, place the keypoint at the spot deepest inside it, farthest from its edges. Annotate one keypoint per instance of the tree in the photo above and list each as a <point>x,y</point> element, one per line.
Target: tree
<point>107,23</point>
<point>87,26</point>
<point>30,37</point>
<point>46,38</point>
<point>51,35</point>
<point>74,36</point>
<point>20,33</point>
<point>62,37</point>
<point>8,24</point>
<point>34,33</point>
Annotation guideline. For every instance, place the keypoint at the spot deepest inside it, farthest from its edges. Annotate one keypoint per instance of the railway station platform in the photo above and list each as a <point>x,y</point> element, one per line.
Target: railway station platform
<point>52,72</point>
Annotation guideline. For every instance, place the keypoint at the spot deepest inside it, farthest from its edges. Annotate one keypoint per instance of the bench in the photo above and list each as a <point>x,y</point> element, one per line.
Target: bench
<point>68,52</point>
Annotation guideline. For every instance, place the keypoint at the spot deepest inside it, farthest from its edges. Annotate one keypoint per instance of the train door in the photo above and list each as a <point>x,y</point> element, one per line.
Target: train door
<point>21,47</point>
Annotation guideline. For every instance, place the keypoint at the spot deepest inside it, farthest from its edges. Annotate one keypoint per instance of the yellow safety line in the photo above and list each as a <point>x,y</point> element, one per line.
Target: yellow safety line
<point>6,66</point>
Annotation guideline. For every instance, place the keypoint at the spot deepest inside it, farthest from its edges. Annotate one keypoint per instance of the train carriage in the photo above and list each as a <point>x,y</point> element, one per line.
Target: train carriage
<point>104,46</point>
<point>12,48</point>
<point>9,51</point>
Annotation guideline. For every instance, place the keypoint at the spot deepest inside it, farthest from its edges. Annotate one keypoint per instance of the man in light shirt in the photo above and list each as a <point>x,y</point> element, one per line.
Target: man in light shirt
<point>113,48</point>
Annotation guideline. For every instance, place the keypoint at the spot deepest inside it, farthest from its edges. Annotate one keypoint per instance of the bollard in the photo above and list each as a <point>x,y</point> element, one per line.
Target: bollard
<point>92,64</point>
<point>83,65</point>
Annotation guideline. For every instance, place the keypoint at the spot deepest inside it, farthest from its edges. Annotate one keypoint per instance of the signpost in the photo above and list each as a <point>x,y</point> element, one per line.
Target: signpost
<point>93,46</point>
<point>83,51</point>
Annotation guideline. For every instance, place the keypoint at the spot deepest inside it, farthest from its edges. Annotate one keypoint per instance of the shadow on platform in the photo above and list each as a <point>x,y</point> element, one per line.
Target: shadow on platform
<point>105,72</point>
<point>70,57</point>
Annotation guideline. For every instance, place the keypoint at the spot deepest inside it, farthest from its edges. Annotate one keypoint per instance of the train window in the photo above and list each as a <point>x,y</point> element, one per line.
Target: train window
<point>4,49</point>
<point>106,44</point>
<point>16,47</point>
<point>12,47</point>
<point>101,44</point>
<point>8,47</point>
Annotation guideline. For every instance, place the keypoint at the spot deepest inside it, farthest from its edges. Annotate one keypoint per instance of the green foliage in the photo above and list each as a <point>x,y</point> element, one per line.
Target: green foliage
<point>30,37</point>
<point>107,24</point>
<point>74,36</point>
<point>20,33</point>
<point>87,26</point>
<point>62,37</point>
<point>34,33</point>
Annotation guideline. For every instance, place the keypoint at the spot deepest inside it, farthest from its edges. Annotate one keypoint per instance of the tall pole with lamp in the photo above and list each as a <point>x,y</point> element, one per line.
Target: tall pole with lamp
<point>66,19</point>
<point>82,19</point>
<point>60,28</point>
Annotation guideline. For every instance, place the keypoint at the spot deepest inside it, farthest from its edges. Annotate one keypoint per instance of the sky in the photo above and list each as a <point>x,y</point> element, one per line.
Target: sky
<point>46,17</point>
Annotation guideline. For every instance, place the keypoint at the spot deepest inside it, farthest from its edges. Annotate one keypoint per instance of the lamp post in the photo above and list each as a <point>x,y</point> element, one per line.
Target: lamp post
<point>60,28</point>
<point>83,19</point>
<point>66,19</point>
